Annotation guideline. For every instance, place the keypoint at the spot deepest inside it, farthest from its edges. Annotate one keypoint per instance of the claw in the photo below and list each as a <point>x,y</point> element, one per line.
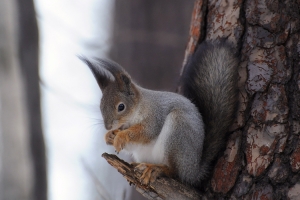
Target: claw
<point>150,172</point>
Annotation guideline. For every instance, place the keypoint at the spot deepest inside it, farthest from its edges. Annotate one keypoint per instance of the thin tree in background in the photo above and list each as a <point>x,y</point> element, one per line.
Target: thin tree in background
<point>22,153</point>
<point>15,161</point>
<point>29,63</point>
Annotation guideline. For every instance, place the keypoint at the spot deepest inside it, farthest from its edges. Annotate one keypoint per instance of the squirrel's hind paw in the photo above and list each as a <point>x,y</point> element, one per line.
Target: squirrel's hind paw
<point>150,172</point>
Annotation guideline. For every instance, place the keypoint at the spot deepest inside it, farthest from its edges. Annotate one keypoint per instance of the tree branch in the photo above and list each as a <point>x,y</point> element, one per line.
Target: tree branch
<point>162,188</point>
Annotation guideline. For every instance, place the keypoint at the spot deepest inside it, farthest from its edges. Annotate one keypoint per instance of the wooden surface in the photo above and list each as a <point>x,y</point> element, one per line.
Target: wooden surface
<point>162,188</point>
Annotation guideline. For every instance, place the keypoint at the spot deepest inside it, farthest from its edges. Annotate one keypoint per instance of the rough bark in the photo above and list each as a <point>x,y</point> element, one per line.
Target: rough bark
<point>262,158</point>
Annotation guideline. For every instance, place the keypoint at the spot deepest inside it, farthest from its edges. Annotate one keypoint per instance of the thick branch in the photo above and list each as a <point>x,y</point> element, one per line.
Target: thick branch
<point>162,188</point>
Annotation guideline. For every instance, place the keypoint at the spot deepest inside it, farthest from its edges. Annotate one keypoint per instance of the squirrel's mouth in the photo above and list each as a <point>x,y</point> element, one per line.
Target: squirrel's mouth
<point>119,126</point>
<point>123,127</point>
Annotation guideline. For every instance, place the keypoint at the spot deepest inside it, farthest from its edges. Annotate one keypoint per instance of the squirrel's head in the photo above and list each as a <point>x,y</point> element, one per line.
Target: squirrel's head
<point>119,94</point>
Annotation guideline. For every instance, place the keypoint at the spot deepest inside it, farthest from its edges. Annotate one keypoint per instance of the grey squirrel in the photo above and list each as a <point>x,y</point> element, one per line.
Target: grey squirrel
<point>165,131</point>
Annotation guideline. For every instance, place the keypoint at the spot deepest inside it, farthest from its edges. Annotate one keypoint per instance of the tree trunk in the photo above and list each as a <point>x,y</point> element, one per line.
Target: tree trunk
<point>262,158</point>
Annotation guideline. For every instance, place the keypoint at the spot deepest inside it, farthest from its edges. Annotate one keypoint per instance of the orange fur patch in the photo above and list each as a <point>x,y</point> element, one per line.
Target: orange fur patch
<point>134,134</point>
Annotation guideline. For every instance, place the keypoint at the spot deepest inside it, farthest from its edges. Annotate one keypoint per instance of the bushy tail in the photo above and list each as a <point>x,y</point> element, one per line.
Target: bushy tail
<point>210,81</point>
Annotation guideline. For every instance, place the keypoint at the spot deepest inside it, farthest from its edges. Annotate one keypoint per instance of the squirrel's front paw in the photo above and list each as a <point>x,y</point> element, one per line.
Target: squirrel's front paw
<point>110,137</point>
<point>119,142</point>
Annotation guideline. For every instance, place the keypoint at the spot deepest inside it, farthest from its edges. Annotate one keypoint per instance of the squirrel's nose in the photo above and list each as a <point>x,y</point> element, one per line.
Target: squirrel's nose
<point>108,126</point>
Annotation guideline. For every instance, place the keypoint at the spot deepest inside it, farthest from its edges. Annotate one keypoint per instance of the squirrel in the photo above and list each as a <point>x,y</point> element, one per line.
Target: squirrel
<point>170,134</point>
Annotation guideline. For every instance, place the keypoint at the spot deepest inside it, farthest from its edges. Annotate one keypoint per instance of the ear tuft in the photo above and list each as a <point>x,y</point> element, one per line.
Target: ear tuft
<point>102,75</point>
<point>110,65</point>
<point>122,77</point>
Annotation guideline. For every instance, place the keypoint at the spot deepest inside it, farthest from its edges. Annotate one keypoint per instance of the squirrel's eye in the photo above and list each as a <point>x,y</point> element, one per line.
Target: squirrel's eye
<point>121,107</point>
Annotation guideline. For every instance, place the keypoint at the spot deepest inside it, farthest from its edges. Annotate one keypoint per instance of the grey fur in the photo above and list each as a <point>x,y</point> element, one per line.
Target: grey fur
<point>172,123</point>
<point>210,81</point>
<point>183,146</point>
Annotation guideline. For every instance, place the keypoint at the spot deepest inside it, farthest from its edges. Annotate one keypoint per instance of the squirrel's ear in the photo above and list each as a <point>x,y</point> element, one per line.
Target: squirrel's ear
<point>122,77</point>
<point>102,75</point>
<point>126,85</point>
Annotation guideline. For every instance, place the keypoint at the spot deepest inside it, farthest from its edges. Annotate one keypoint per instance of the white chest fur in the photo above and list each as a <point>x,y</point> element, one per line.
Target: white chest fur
<point>153,152</point>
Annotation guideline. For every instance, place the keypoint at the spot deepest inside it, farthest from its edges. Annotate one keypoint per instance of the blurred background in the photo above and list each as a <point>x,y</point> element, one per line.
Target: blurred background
<point>51,130</point>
